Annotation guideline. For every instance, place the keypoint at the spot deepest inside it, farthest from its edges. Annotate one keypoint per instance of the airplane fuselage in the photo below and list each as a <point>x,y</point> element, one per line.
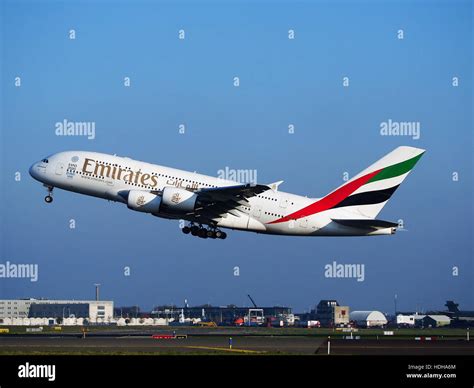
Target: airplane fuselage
<point>124,180</point>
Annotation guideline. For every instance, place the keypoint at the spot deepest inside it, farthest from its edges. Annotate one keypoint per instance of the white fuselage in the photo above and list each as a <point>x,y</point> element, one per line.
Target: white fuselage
<point>109,176</point>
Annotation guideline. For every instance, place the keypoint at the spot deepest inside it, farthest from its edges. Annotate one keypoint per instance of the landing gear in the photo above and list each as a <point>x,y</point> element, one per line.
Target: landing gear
<point>220,234</point>
<point>203,232</point>
<point>49,197</point>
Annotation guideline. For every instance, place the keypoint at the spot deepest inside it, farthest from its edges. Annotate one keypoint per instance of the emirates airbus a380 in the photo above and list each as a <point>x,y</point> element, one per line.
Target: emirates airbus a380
<point>209,203</point>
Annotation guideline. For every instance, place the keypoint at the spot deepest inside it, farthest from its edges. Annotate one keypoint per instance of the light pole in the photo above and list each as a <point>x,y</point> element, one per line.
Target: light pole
<point>395,301</point>
<point>97,285</point>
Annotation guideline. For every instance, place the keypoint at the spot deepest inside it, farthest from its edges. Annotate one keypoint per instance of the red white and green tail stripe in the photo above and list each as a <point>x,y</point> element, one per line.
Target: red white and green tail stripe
<point>368,191</point>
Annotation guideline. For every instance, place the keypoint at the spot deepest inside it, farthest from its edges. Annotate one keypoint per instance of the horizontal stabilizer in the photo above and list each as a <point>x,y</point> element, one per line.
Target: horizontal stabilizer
<point>366,224</point>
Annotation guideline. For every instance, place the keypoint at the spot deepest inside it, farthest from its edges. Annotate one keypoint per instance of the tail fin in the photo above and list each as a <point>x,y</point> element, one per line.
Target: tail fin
<point>368,192</point>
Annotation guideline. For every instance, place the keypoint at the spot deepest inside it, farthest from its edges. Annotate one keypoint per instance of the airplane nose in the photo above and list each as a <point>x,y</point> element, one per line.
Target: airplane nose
<point>34,170</point>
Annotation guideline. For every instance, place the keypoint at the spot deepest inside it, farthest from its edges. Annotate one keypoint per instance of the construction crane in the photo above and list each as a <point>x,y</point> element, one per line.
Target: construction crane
<point>253,302</point>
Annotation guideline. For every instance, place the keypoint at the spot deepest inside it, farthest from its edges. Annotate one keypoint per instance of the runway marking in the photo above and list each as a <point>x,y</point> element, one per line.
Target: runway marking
<point>225,349</point>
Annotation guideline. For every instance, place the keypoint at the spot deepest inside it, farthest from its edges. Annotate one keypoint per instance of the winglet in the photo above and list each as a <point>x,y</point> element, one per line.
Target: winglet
<point>274,186</point>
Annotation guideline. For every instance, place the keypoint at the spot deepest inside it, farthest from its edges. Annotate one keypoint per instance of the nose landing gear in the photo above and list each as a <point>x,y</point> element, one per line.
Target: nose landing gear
<point>49,197</point>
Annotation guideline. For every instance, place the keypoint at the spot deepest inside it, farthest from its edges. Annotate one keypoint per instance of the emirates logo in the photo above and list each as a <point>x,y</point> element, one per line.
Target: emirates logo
<point>141,200</point>
<point>175,198</point>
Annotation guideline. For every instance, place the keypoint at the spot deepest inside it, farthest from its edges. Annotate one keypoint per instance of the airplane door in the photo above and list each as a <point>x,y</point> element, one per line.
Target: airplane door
<point>256,212</point>
<point>303,222</point>
<point>59,168</point>
<point>283,203</point>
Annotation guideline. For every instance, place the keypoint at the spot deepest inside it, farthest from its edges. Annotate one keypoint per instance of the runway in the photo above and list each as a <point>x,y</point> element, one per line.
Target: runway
<point>190,345</point>
<point>402,347</point>
<point>251,345</point>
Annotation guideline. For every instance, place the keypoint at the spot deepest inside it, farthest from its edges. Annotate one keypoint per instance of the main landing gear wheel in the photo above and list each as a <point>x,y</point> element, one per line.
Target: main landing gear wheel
<point>203,232</point>
<point>211,233</point>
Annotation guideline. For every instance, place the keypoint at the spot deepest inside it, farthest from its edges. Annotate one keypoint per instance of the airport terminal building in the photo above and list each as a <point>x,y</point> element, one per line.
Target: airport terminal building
<point>46,308</point>
<point>218,314</point>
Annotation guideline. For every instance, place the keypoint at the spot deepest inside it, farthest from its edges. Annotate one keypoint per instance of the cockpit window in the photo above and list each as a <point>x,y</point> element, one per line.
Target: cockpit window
<point>45,160</point>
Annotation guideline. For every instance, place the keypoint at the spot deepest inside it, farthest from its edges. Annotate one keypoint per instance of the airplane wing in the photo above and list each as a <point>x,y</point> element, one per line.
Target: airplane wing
<point>233,192</point>
<point>217,202</point>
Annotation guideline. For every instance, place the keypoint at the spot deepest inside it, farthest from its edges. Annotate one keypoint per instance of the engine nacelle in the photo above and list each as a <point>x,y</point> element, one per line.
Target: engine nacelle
<point>143,201</point>
<point>178,200</point>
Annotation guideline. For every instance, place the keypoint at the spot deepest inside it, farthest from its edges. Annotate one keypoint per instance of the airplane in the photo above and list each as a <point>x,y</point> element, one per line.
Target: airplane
<point>209,204</point>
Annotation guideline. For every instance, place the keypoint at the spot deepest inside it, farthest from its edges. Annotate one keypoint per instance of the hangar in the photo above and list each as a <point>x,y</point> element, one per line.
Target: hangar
<point>432,320</point>
<point>368,318</point>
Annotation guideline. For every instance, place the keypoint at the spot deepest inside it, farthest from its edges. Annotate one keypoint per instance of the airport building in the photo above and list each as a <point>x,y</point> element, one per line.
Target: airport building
<point>218,314</point>
<point>45,308</point>
<point>432,320</point>
<point>15,308</point>
<point>459,318</point>
<point>328,313</point>
<point>368,318</point>
<point>129,312</point>
<point>407,320</point>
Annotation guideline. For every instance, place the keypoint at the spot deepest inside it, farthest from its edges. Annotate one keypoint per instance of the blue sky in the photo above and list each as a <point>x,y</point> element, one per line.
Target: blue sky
<point>282,82</point>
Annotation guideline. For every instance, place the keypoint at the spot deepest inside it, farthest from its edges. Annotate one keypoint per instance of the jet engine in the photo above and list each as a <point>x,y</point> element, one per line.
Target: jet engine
<point>178,200</point>
<point>143,201</point>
